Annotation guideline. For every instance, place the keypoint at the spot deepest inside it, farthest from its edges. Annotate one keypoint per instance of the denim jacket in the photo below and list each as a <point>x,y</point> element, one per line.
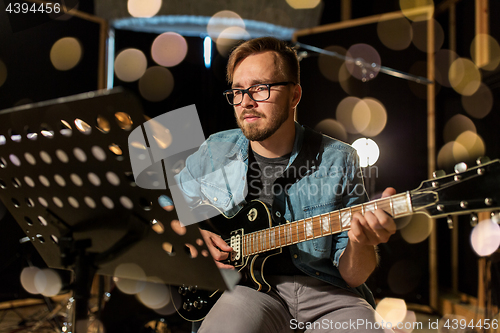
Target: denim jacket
<point>217,173</point>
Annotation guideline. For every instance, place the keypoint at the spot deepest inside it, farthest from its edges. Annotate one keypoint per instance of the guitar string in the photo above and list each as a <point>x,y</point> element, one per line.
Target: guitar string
<point>416,195</point>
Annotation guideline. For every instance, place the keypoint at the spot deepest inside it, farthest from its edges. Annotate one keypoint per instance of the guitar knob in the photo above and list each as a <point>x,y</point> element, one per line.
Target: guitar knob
<point>199,304</point>
<point>449,220</point>
<point>183,290</point>
<point>482,160</point>
<point>473,219</point>
<point>460,167</point>
<point>438,173</point>
<point>193,289</point>
<point>188,306</point>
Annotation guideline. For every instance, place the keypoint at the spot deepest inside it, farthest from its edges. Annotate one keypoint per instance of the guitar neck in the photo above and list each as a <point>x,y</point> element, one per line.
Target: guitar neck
<point>398,205</point>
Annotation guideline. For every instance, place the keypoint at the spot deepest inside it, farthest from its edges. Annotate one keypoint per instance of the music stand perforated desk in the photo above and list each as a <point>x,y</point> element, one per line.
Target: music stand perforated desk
<point>66,178</point>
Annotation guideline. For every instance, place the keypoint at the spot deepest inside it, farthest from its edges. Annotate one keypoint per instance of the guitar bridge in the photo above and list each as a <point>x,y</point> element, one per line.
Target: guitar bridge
<point>235,243</point>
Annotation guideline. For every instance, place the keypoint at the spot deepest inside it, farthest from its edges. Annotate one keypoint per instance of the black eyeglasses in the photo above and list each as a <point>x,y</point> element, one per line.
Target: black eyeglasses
<point>257,92</point>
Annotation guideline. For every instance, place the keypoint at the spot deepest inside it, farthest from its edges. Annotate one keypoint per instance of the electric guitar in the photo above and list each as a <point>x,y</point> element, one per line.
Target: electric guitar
<point>254,238</point>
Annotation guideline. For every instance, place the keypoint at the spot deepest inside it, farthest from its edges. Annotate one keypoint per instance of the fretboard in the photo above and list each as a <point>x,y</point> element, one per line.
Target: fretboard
<point>321,225</point>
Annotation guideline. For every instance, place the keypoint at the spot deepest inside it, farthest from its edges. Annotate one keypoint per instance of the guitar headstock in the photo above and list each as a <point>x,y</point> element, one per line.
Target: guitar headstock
<point>465,191</point>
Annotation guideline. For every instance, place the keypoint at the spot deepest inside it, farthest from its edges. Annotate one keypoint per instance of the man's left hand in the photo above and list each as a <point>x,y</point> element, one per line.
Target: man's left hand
<point>374,227</point>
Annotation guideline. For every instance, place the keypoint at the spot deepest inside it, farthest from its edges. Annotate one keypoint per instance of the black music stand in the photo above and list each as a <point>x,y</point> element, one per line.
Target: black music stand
<point>66,177</point>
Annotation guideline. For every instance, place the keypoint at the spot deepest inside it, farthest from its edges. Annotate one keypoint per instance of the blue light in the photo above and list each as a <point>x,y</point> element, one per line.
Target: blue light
<point>207,46</point>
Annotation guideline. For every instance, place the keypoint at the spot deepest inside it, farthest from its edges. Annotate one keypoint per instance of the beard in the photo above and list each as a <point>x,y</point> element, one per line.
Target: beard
<point>252,131</point>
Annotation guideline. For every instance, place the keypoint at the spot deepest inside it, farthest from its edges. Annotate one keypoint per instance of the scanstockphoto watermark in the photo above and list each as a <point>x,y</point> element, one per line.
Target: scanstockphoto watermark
<point>333,181</point>
<point>26,14</point>
<point>310,168</point>
<point>353,324</point>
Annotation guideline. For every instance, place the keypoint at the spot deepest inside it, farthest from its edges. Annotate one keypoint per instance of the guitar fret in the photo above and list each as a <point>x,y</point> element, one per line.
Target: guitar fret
<point>298,237</point>
<point>392,206</point>
<point>340,221</point>
<point>289,231</point>
<point>273,240</point>
<point>261,241</point>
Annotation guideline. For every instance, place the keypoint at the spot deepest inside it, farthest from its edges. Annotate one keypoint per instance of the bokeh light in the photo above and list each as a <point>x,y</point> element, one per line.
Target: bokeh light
<point>404,276</point>
<point>395,33</point>
<point>420,32</point>
<point>48,282</point>
<point>392,309</point>
<point>143,8</point>
<point>303,4</point>
<point>419,68</point>
<point>409,323</point>
<point>464,76</point>
<point>92,325</point>
<point>417,10</point>
<point>485,52</point>
<point>129,278</point>
<point>130,65</point>
<point>364,57</point>
<point>377,119</point>
<point>66,53</point>
<point>443,60</point>
<point>479,104</point>
<point>473,144</point>
<point>419,228</point>
<point>450,154</point>
<point>3,73</point>
<point>155,294</point>
<point>348,83</point>
<point>368,151</point>
<point>28,279</point>
<point>228,39</point>
<point>169,49</point>
<point>156,84</point>
<point>223,20</point>
<point>352,109</point>
<point>330,66</point>
<point>332,128</point>
<point>161,134</point>
<point>485,237</point>
<point>175,303</point>
<point>456,125</point>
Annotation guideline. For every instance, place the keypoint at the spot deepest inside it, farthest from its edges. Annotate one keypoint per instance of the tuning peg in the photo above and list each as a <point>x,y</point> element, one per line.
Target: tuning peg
<point>495,216</point>
<point>473,219</point>
<point>188,306</point>
<point>438,173</point>
<point>449,220</point>
<point>482,160</point>
<point>460,167</point>
<point>183,290</point>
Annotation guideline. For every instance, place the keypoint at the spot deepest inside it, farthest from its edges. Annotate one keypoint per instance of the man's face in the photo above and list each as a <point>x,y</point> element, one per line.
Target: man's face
<point>260,120</point>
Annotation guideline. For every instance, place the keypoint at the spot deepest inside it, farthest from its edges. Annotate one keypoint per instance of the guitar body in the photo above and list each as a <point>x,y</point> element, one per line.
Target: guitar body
<point>253,237</point>
<point>253,217</point>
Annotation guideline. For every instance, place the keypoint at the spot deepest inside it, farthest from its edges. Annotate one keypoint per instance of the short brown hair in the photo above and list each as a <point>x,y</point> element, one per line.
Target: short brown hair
<point>288,66</point>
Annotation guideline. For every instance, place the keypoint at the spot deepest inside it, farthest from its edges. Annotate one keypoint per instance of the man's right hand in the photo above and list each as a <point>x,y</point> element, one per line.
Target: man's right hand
<point>217,247</point>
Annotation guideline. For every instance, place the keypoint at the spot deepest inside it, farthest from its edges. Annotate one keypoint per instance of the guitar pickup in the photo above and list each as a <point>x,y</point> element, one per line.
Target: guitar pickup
<point>235,243</point>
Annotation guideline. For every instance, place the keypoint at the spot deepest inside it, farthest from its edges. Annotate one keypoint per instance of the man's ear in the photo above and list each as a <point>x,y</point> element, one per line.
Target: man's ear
<point>297,95</point>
